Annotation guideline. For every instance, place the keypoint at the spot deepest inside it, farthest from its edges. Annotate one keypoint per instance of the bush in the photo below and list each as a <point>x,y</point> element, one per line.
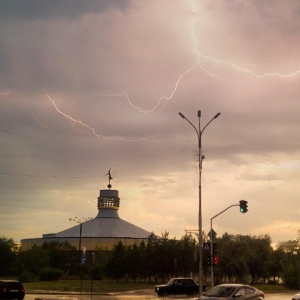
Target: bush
<point>26,276</point>
<point>50,274</point>
<point>97,273</point>
<point>291,277</point>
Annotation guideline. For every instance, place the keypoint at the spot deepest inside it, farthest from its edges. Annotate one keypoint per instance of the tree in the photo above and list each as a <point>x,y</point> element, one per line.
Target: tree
<point>35,259</point>
<point>115,266</point>
<point>61,255</point>
<point>229,247</point>
<point>276,264</point>
<point>54,254</point>
<point>185,255</point>
<point>8,250</point>
<point>259,257</point>
<point>291,268</point>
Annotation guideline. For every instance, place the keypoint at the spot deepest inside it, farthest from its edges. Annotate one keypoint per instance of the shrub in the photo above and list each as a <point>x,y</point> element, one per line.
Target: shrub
<point>50,274</point>
<point>26,276</point>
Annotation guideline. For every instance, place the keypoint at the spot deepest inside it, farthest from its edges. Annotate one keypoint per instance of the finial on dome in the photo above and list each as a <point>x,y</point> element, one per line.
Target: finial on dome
<point>109,179</point>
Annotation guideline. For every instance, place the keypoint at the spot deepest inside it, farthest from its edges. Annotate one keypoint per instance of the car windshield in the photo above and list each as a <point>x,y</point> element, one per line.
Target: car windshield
<point>171,281</point>
<point>220,291</point>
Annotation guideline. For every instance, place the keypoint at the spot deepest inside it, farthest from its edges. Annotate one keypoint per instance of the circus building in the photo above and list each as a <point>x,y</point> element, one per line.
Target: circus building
<point>103,231</point>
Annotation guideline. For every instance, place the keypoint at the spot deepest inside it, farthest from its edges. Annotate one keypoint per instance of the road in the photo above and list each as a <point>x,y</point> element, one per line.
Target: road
<point>135,295</point>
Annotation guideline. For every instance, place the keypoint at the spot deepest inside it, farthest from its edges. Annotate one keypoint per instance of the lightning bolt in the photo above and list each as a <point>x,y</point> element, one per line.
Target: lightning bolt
<point>163,99</point>
<point>36,119</point>
<point>5,93</point>
<point>91,129</point>
<point>200,60</point>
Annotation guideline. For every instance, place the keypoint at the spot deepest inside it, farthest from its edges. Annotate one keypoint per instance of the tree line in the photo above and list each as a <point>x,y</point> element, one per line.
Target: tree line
<point>241,258</point>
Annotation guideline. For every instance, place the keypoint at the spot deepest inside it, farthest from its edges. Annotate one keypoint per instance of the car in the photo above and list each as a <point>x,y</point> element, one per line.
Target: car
<point>296,296</point>
<point>232,291</point>
<point>11,289</point>
<point>176,286</point>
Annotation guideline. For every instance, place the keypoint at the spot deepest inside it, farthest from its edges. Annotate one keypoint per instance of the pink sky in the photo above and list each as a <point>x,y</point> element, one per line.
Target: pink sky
<point>99,84</point>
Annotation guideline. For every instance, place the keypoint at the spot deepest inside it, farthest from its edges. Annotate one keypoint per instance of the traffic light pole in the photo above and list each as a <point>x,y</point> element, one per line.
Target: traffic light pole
<point>212,244</point>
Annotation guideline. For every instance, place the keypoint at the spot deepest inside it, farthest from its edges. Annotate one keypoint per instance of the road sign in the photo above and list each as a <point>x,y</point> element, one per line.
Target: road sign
<point>83,259</point>
<point>206,247</point>
<point>212,234</point>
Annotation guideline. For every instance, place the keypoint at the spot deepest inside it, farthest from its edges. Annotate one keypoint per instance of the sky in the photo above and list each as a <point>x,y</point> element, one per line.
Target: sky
<point>88,86</point>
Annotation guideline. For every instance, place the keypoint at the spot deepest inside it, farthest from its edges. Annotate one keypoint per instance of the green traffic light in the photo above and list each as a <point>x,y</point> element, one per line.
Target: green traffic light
<point>208,262</point>
<point>243,206</point>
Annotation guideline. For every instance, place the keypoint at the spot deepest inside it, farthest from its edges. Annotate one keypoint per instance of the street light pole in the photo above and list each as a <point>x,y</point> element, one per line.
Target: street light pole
<point>80,222</point>
<point>200,159</point>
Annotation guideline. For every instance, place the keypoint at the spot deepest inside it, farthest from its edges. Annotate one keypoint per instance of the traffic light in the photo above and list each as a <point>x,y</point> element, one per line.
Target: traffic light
<point>208,261</point>
<point>214,248</point>
<point>243,206</point>
<point>216,260</point>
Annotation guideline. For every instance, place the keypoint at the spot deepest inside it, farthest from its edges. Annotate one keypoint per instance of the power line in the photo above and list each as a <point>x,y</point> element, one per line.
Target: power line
<point>82,146</point>
<point>46,176</point>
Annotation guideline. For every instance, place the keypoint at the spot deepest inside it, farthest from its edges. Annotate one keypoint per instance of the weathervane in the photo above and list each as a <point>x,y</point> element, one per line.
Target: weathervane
<point>109,178</point>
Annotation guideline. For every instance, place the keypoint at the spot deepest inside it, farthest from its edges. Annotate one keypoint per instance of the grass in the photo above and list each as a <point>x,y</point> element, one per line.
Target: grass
<point>272,288</point>
<point>99,286</point>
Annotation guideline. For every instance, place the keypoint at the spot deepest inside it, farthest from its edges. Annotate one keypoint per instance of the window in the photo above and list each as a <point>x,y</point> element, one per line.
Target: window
<point>249,291</point>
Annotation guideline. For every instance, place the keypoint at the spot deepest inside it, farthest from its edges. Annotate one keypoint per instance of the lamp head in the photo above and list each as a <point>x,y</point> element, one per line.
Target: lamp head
<point>181,115</point>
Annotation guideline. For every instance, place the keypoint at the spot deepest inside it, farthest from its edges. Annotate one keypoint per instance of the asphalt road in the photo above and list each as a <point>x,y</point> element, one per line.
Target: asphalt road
<point>135,295</point>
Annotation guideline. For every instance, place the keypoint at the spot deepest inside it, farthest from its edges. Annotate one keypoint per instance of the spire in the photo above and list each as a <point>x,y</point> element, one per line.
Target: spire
<point>109,179</point>
<point>108,201</point>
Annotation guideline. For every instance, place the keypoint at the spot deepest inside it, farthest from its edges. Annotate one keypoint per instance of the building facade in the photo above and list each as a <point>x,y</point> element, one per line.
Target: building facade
<point>103,231</point>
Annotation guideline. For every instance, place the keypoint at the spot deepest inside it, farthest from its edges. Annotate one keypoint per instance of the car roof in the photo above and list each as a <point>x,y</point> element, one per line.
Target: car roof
<point>181,278</point>
<point>233,284</point>
<point>7,281</point>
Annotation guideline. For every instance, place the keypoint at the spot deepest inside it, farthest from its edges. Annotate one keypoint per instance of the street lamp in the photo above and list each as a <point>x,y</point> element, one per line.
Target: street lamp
<point>200,158</point>
<point>80,221</point>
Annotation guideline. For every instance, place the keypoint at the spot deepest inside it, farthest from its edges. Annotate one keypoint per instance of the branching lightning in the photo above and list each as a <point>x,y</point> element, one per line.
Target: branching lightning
<point>200,59</point>
<point>91,129</point>
<point>160,100</point>
<point>36,119</point>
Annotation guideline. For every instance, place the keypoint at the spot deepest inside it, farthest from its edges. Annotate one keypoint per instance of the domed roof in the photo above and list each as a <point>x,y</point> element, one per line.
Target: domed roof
<point>107,224</point>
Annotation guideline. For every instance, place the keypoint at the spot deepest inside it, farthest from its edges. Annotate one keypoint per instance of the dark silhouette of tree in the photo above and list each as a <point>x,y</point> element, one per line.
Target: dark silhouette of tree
<point>35,259</point>
<point>8,251</point>
<point>276,264</point>
<point>160,258</point>
<point>116,265</point>
<point>259,257</point>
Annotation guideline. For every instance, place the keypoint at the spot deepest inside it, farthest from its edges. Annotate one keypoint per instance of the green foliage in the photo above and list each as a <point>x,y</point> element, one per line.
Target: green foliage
<point>291,277</point>
<point>8,255</point>
<point>291,269</point>
<point>26,277</point>
<point>50,274</point>
<point>251,255</point>
<point>115,265</point>
<point>55,255</point>
<point>157,259</point>
<point>242,258</point>
<point>276,264</point>
<point>35,260</point>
